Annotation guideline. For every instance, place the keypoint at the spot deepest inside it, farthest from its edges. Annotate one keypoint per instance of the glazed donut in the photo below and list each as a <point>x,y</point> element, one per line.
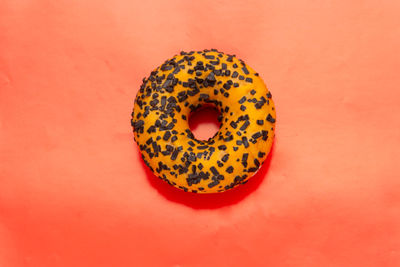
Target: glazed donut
<point>180,86</point>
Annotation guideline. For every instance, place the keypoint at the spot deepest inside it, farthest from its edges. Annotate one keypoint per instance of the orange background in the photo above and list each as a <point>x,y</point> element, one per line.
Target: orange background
<point>74,192</point>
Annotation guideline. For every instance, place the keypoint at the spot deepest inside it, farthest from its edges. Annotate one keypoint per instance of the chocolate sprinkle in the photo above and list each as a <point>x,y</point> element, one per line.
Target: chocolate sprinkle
<point>270,118</point>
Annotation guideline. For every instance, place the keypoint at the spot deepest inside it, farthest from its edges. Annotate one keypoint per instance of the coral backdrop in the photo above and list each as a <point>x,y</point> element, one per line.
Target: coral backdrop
<point>74,192</point>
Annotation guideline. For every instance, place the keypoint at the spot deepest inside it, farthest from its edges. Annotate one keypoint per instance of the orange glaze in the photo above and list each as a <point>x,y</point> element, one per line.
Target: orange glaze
<point>180,86</point>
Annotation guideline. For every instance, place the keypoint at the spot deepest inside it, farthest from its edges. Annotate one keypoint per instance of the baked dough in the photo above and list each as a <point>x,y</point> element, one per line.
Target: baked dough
<point>185,83</point>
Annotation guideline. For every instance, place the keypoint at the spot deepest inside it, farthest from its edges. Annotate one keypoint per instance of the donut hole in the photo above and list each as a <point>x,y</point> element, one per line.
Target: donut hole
<point>204,123</point>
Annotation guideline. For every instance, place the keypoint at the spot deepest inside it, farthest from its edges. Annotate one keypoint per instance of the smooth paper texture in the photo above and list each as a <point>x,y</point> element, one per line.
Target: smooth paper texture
<point>74,191</point>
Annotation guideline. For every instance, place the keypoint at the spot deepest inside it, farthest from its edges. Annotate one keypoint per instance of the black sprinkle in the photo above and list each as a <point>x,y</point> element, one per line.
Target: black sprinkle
<point>214,170</point>
<point>174,154</point>
<point>222,147</point>
<point>259,104</point>
<point>244,126</point>
<point>270,118</point>
<point>214,183</point>
<point>149,141</point>
<point>245,142</point>
<point>229,169</point>
<point>167,135</point>
<point>138,124</point>
<point>192,157</point>
<point>204,96</point>
<point>244,159</point>
<point>151,129</point>
<point>256,135</point>
<point>264,135</point>
<point>211,77</point>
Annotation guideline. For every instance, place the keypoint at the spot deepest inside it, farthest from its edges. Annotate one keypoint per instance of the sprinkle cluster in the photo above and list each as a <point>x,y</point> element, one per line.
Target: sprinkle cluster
<point>179,87</point>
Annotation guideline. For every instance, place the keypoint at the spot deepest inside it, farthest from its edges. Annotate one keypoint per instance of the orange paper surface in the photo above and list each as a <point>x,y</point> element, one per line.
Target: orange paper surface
<point>74,191</point>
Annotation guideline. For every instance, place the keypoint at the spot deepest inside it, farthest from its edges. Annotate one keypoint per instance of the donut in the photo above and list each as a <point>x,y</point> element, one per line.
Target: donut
<point>180,86</point>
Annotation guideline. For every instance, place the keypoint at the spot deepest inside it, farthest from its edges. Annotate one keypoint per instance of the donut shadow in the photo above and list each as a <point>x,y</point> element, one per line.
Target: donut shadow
<point>213,200</point>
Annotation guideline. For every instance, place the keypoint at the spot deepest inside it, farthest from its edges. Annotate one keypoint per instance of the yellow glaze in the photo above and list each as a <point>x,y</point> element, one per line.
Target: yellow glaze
<point>181,85</point>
